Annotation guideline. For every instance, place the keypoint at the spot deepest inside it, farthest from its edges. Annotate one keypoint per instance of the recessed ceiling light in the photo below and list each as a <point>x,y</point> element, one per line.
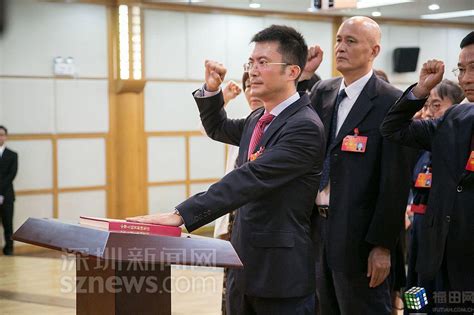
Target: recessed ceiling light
<point>448,15</point>
<point>433,7</point>
<point>376,13</point>
<point>254,5</point>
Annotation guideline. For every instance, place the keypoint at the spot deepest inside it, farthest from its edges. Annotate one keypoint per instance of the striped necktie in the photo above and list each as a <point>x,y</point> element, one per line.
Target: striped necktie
<point>258,132</point>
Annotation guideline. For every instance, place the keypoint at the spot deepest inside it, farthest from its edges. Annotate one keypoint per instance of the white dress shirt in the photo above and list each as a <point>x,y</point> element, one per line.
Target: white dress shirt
<point>282,106</point>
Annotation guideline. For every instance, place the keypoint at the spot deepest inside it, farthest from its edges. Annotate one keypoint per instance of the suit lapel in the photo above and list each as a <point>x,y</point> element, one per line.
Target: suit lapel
<point>359,110</point>
<point>281,119</point>
<point>328,107</point>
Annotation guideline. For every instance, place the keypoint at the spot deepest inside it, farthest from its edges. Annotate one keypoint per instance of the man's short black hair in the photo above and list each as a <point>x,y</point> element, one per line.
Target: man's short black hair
<point>468,40</point>
<point>4,128</point>
<point>292,45</point>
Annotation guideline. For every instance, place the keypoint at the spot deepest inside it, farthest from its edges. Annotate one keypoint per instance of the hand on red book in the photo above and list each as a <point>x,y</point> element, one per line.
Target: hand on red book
<point>171,219</point>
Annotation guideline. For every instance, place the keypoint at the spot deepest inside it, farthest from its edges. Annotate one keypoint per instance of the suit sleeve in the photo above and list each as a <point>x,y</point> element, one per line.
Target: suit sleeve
<point>395,164</point>
<point>10,175</point>
<point>295,154</point>
<point>307,85</point>
<point>215,122</point>
<point>398,125</point>
<point>387,222</point>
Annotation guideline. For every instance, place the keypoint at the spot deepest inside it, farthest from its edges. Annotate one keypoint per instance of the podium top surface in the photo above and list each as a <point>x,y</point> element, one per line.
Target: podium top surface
<point>71,237</point>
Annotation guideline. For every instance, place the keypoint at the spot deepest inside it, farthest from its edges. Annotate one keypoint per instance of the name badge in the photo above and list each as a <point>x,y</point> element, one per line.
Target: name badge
<point>470,162</point>
<point>424,180</point>
<point>354,143</point>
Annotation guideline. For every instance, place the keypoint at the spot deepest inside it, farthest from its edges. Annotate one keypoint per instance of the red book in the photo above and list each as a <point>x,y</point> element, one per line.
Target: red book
<point>122,226</point>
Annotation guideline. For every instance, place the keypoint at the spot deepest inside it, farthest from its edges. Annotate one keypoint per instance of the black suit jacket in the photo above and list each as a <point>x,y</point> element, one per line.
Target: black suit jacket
<point>368,191</point>
<point>449,218</point>
<point>8,169</point>
<point>274,195</point>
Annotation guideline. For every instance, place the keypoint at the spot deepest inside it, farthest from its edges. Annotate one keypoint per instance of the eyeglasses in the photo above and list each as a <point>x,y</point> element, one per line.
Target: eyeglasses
<point>262,65</point>
<point>461,71</point>
<point>434,107</point>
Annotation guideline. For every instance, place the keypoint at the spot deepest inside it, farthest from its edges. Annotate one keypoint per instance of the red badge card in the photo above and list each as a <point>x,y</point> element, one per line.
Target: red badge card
<point>354,144</point>
<point>470,162</point>
<point>423,180</point>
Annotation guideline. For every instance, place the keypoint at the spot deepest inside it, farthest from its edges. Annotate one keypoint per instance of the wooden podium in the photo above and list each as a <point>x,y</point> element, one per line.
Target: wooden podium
<point>119,273</point>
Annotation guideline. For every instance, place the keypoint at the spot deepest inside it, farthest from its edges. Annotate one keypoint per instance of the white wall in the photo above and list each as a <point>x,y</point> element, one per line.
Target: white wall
<point>178,43</point>
<point>434,42</point>
<point>39,31</point>
<point>33,101</point>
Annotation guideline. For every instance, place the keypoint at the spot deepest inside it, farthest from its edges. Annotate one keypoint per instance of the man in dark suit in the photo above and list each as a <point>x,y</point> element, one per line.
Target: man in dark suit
<point>447,236</point>
<point>362,197</point>
<point>8,169</point>
<point>274,184</point>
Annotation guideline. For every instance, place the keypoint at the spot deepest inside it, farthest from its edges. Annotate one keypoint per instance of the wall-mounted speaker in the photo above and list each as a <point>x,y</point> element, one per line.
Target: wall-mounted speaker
<point>405,59</point>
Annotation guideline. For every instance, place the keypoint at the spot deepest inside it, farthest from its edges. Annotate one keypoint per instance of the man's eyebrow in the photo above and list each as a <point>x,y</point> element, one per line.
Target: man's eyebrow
<point>468,64</point>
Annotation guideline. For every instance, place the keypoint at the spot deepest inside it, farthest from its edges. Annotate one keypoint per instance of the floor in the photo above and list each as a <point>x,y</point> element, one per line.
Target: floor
<point>41,284</point>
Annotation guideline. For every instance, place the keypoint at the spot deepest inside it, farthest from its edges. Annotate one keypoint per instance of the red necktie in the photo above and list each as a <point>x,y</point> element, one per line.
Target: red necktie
<point>258,132</point>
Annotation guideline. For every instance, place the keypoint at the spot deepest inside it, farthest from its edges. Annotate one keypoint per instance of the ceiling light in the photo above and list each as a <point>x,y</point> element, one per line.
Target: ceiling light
<point>254,5</point>
<point>433,7</point>
<point>363,4</point>
<point>448,15</point>
<point>377,13</point>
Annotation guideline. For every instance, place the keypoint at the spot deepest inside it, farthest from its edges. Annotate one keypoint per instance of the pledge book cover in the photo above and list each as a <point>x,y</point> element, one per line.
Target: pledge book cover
<point>122,226</point>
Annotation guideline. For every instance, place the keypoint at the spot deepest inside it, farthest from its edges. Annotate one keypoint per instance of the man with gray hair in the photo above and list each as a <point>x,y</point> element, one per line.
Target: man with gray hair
<point>442,96</point>
<point>364,186</point>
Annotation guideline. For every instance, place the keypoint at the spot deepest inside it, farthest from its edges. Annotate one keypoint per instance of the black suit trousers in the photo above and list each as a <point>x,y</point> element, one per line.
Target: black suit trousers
<point>6,211</point>
<point>238,303</point>
<point>347,293</point>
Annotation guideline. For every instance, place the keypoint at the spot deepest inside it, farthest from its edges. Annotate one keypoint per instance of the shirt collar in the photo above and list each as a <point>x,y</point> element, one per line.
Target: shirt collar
<point>283,105</point>
<point>2,149</point>
<point>355,88</point>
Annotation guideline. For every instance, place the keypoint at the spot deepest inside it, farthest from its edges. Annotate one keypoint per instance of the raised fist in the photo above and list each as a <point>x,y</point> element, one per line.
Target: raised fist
<point>430,75</point>
<point>315,57</point>
<point>215,74</point>
<point>231,91</point>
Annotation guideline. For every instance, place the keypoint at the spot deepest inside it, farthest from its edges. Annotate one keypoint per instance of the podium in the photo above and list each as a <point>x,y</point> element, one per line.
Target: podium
<point>121,273</point>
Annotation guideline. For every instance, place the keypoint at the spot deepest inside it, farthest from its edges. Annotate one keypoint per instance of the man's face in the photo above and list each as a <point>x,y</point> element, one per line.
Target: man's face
<point>466,73</point>
<point>353,49</point>
<point>3,136</point>
<point>254,102</point>
<point>437,105</point>
<point>266,81</point>
<point>425,112</point>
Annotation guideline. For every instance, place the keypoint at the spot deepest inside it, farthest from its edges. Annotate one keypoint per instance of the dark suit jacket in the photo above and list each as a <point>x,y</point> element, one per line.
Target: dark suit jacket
<point>274,195</point>
<point>369,191</point>
<point>449,218</point>
<point>8,169</point>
